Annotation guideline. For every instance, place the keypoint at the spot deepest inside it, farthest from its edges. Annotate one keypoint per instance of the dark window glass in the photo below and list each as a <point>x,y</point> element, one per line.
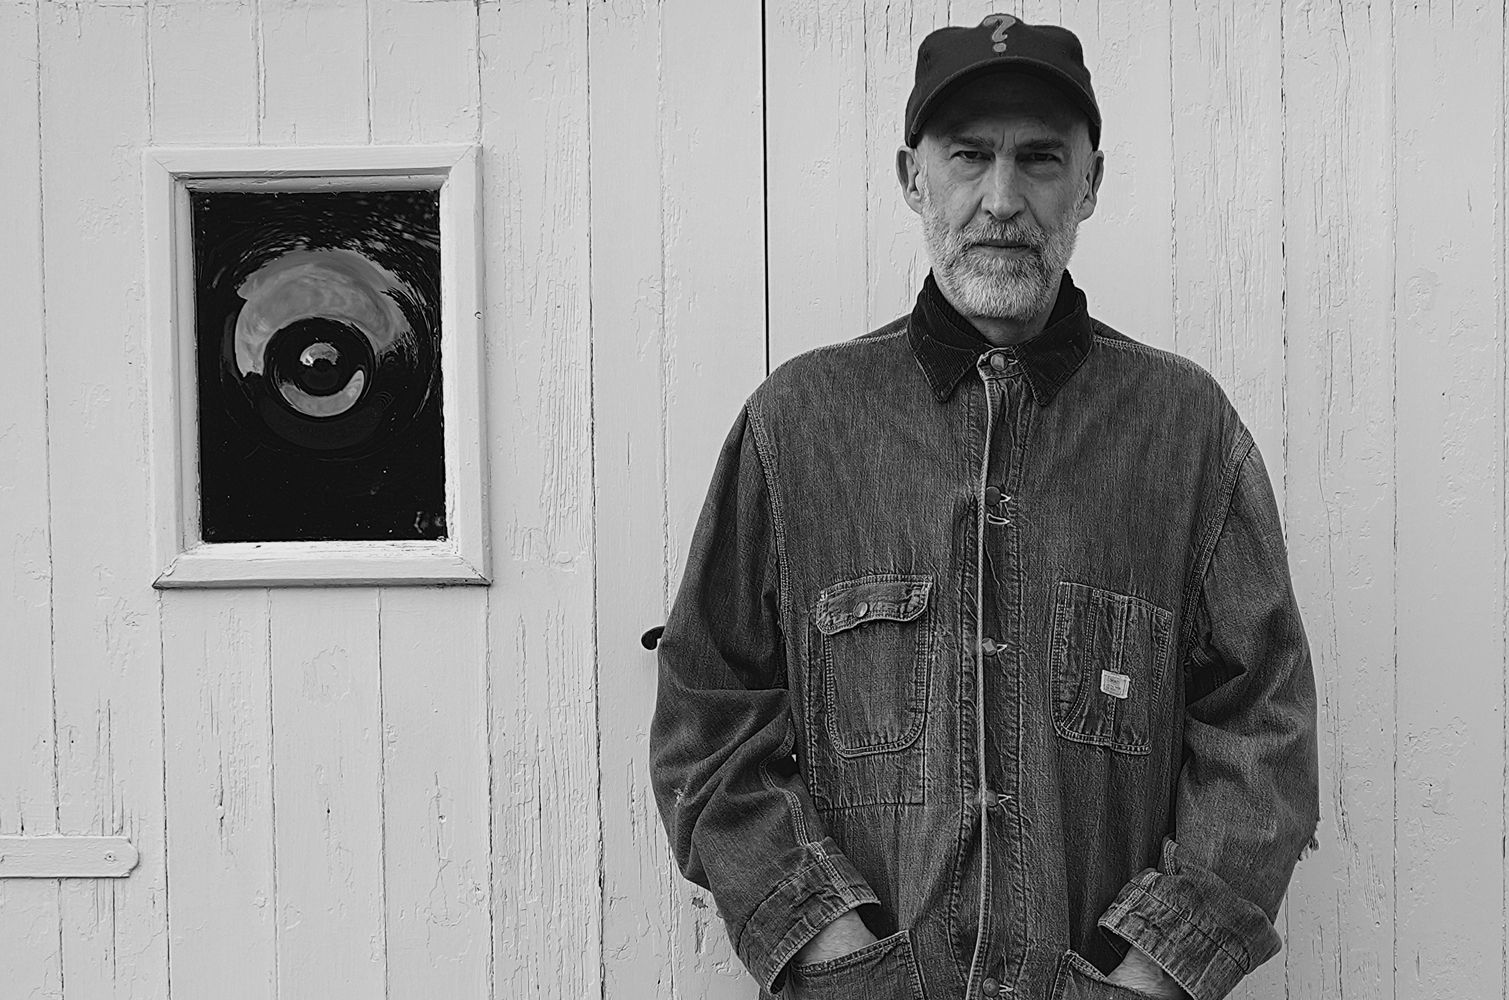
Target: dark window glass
<point>318,330</point>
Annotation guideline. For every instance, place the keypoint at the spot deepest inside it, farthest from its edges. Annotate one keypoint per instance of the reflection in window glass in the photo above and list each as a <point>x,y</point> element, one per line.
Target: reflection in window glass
<point>318,331</point>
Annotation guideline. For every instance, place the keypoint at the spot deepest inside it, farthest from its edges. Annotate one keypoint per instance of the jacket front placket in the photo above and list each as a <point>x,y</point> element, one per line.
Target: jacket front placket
<point>1001,944</point>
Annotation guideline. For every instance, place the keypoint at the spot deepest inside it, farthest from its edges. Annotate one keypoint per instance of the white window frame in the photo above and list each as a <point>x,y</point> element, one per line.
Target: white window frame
<point>182,558</point>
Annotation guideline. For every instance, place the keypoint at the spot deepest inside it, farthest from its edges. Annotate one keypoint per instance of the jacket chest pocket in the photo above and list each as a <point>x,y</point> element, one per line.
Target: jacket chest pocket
<point>1108,657</point>
<point>871,645</point>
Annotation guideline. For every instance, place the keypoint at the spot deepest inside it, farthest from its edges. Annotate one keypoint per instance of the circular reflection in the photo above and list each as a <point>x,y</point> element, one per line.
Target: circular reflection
<point>331,352</point>
<point>319,366</point>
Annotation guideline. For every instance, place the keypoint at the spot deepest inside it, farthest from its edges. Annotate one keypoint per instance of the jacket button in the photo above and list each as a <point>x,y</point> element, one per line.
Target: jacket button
<point>988,646</point>
<point>990,987</point>
<point>992,495</point>
<point>861,609</point>
<point>998,362</point>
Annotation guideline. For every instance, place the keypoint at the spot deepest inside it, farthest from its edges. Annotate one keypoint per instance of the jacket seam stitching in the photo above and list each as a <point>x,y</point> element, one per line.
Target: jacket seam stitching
<point>794,806</point>
<point>860,341</point>
<point>767,463</point>
<point>1212,537</point>
<point>1157,353</point>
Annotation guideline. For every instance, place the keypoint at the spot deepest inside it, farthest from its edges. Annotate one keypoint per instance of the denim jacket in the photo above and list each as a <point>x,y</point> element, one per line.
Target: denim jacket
<point>997,646</point>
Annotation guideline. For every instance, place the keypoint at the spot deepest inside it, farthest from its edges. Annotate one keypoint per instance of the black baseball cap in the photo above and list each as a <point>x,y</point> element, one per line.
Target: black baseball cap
<point>950,56</point>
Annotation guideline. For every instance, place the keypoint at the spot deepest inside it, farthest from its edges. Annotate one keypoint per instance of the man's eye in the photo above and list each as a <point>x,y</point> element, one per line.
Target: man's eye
<point>1042,158</point>
<point>971,155</point>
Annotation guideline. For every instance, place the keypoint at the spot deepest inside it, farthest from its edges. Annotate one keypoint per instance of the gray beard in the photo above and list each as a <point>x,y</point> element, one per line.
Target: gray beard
<point>980,283</point>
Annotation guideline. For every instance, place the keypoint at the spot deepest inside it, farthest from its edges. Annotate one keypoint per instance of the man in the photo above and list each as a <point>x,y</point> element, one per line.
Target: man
<point>985,677</point>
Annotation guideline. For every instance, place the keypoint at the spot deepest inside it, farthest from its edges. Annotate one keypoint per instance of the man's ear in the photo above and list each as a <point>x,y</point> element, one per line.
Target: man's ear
<point>909,173</point>
<point>1094,174</point>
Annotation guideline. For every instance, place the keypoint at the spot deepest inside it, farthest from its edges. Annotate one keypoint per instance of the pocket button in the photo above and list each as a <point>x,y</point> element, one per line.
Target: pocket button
<point>990,987</point>
<point>861,609</point>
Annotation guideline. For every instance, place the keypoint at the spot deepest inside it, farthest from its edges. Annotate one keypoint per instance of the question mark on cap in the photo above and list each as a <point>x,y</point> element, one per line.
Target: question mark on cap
<point>1003,23</point>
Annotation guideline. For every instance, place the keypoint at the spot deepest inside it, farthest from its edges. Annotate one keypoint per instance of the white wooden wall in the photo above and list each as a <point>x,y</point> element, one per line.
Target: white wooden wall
<point>411,792</point>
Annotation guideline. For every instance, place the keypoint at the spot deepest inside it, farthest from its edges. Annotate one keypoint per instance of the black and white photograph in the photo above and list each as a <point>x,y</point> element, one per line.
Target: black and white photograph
<point>754,500</point>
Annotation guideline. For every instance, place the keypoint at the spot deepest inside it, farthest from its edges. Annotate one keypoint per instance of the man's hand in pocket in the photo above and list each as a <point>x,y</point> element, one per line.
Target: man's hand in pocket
<point>845,934</point>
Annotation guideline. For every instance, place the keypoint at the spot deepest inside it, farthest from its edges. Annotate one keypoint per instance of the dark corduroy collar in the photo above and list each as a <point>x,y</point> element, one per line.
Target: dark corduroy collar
<point>947,344</point>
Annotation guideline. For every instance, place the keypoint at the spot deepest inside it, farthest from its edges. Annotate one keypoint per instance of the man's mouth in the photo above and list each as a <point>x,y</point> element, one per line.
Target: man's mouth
<point>1004,245</point>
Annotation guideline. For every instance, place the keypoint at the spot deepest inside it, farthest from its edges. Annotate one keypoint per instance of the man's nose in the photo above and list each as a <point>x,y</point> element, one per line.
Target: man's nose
<point>1003,191</point>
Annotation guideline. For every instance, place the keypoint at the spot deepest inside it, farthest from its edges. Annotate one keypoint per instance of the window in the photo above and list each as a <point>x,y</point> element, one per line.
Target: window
<point>313,309</point>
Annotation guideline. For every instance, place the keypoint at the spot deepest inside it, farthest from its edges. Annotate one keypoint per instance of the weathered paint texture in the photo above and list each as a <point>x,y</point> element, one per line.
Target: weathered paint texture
<point>391,791</point>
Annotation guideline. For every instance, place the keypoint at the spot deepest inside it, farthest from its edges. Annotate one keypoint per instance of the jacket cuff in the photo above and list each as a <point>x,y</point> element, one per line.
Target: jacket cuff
<point>1193,925</point>
<point>816,894</point>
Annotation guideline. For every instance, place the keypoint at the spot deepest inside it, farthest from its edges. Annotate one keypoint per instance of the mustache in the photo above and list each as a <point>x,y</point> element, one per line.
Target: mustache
<point>1027,235</point>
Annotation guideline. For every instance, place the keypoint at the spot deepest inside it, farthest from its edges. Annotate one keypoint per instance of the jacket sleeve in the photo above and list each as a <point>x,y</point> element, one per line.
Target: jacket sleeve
<point>740,820</point>
<point>1247,800</point>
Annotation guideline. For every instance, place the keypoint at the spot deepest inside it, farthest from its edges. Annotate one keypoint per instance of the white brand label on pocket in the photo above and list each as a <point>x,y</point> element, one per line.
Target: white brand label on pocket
<point>1114,684</point>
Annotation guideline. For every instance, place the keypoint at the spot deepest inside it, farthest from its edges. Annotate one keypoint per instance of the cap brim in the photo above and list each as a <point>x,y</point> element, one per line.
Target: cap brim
<point>1037,67</point>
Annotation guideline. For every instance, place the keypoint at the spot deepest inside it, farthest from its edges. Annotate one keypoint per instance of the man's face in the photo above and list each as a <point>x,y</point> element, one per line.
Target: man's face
<point>1002,177</point>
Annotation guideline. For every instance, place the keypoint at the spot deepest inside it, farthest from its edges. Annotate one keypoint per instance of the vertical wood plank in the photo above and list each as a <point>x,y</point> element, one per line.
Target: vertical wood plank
<point>29,960</point>
<point>424,83</point>
<point>679,341</point>
<point>312,77</point>
<point>542,707</point>
<point>423,57</point>
<point>327,792</point>
<point>219,772</point>
<point>1339,260</point>
<point>817,165</point>
<point>203,71</point>
<point>217,754</point>
<point>897,255</point>
<point>1449,294</point>
<point>641,894</point>
<point>106,633</point>
<point>714,263</point>
<point>1228,207</point>
<point>435,846</point>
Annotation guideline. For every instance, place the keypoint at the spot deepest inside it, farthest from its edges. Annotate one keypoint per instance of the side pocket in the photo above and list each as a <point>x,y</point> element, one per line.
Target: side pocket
<point>1108,657</point>
<point>1078,979</point>
<point>884,969</point>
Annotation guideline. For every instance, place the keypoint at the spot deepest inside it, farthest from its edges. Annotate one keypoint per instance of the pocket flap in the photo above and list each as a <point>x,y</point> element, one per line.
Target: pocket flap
<point>881,596</point>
